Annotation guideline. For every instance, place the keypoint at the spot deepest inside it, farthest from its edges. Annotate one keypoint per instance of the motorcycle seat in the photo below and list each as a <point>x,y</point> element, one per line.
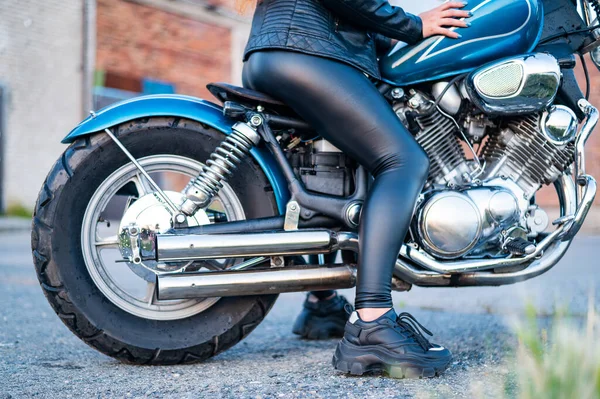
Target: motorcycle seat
<point>226,92</point>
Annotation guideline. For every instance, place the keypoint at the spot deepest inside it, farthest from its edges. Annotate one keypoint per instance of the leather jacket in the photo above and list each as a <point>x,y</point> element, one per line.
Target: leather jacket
<point>351,31</point>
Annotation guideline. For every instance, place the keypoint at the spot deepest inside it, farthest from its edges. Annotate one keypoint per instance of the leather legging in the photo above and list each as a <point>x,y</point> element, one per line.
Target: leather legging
<point>345,108</point>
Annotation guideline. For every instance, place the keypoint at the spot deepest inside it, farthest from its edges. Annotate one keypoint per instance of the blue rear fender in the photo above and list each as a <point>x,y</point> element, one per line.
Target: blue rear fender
<point>183,107</point>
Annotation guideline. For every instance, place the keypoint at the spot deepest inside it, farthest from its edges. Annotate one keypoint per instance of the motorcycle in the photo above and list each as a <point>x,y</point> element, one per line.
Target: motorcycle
<point>168,227</point>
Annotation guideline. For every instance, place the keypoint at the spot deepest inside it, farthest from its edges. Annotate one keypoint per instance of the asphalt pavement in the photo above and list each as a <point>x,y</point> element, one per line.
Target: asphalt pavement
<point>40,357</point>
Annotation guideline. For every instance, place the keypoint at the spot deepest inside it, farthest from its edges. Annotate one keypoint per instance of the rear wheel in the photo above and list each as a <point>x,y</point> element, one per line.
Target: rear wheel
<point>110,305</point>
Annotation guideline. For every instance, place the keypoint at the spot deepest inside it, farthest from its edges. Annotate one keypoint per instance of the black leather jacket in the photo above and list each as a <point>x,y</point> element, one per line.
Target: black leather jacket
<point>352,31</point>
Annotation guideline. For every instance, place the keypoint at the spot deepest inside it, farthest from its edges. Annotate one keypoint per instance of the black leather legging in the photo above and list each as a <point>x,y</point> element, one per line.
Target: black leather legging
<point>348,110</point>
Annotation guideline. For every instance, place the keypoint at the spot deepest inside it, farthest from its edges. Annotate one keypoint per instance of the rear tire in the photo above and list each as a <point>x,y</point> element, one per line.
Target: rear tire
<point>65,280</point>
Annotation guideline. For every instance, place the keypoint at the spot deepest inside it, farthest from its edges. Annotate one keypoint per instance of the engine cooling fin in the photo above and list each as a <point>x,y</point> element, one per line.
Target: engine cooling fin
<point>521,153</point>
<point>438,139</point>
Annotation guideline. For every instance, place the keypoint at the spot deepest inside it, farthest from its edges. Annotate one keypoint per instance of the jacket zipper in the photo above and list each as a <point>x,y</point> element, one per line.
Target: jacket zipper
<point>337,22</point>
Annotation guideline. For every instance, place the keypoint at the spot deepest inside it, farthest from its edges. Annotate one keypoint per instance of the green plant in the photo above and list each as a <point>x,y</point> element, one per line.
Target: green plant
<point>18,210</point>
<point>562,362</point>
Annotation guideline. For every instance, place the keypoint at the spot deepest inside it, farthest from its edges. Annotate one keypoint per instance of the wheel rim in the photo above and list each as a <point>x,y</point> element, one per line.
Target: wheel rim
<point>99,242</point>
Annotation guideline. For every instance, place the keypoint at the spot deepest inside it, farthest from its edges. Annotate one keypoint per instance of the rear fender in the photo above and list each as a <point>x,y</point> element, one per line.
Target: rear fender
<point>183,107</point>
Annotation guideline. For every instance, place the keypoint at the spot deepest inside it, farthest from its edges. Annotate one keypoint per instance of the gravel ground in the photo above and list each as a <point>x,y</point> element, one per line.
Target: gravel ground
<point>39,357</point>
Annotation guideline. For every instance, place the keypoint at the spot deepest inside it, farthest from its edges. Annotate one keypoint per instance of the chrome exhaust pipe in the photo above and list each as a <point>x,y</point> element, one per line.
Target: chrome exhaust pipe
<point>412,267</point>
<point>426,278</point>
<point>171,248</point>
<point>254,282</point>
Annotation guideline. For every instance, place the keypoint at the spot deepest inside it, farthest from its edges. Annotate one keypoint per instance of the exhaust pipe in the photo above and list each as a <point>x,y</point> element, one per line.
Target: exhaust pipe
<point>190,247</point>
<point>427,278</point>
<point>411,267</point>
<point>254,282</point>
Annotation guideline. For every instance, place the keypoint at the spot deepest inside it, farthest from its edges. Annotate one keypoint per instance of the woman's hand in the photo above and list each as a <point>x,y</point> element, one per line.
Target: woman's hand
<point>438,20</point>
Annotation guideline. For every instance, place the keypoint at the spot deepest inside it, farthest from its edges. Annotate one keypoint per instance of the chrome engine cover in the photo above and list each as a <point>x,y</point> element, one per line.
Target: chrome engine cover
<point>449,224</point>
<point>453,223</point>
<point>517,85</point>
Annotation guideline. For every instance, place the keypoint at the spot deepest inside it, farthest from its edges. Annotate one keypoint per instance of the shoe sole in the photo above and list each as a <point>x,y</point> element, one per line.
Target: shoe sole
<point>319,329</point>
<point>358,360</point>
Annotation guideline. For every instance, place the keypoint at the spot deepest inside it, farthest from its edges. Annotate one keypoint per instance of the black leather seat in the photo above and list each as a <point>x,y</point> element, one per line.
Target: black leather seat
<point>226,92</point>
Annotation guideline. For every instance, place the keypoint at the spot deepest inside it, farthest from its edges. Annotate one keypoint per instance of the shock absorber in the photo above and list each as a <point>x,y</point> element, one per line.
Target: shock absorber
<point>220,165</point>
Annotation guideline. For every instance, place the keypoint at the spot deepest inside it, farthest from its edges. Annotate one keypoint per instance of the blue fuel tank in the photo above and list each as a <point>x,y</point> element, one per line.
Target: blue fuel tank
<point>499,28</point>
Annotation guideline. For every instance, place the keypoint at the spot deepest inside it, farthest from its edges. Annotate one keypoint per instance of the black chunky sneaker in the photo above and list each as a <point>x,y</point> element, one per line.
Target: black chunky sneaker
<point>394,345</point>
<point>323,319</point>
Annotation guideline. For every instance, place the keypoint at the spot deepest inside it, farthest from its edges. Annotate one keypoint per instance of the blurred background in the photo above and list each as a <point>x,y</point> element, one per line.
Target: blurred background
<point>60,59</point>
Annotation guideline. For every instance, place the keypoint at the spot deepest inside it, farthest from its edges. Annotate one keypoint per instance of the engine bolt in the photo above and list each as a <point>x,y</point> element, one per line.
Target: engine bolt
<point>180,218</point>
<point>397,93</point>
<point>276,261</point>
<point>256,120</point>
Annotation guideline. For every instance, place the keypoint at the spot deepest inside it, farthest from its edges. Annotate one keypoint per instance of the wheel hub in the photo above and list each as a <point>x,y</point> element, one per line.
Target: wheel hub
<point>146,217</point>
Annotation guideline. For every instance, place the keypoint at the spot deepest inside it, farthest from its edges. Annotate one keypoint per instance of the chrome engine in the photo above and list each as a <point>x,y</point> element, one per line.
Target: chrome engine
<point>474,205</point>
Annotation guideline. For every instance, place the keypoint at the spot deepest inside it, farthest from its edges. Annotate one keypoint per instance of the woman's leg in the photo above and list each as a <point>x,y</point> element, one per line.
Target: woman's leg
<point>348,110</point>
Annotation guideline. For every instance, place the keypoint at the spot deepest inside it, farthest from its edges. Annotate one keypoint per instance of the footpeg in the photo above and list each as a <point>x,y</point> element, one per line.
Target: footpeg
<point>519,246</point>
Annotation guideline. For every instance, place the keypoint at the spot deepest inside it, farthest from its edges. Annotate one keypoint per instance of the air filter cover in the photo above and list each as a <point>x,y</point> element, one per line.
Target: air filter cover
<point>516,85</point>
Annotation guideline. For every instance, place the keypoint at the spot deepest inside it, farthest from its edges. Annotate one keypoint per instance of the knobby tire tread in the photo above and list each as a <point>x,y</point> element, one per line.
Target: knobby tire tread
<point>58,297</point>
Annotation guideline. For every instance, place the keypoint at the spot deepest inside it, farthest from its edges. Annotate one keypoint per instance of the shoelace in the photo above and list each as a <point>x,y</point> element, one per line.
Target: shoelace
<point>348,308</point>
<point>415,329</point>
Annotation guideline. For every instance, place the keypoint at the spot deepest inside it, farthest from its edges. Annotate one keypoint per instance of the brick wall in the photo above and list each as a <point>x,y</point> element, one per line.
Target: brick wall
<point>40,64</point>
<point>547,196</point>
<point>146,42</point>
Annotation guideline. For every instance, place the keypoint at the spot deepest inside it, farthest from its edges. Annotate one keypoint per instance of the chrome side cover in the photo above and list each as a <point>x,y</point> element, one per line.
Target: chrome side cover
<point>453,223</point>
<point>449,224</point>
<point>516,85</point>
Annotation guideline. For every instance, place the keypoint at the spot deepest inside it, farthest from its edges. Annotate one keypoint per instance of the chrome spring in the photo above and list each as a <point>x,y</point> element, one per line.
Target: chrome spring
<point>221,164</point>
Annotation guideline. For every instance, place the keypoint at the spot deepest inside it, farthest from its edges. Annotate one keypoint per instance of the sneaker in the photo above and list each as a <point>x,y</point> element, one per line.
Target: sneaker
<point>394,345</point>
<point>322,319</point>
